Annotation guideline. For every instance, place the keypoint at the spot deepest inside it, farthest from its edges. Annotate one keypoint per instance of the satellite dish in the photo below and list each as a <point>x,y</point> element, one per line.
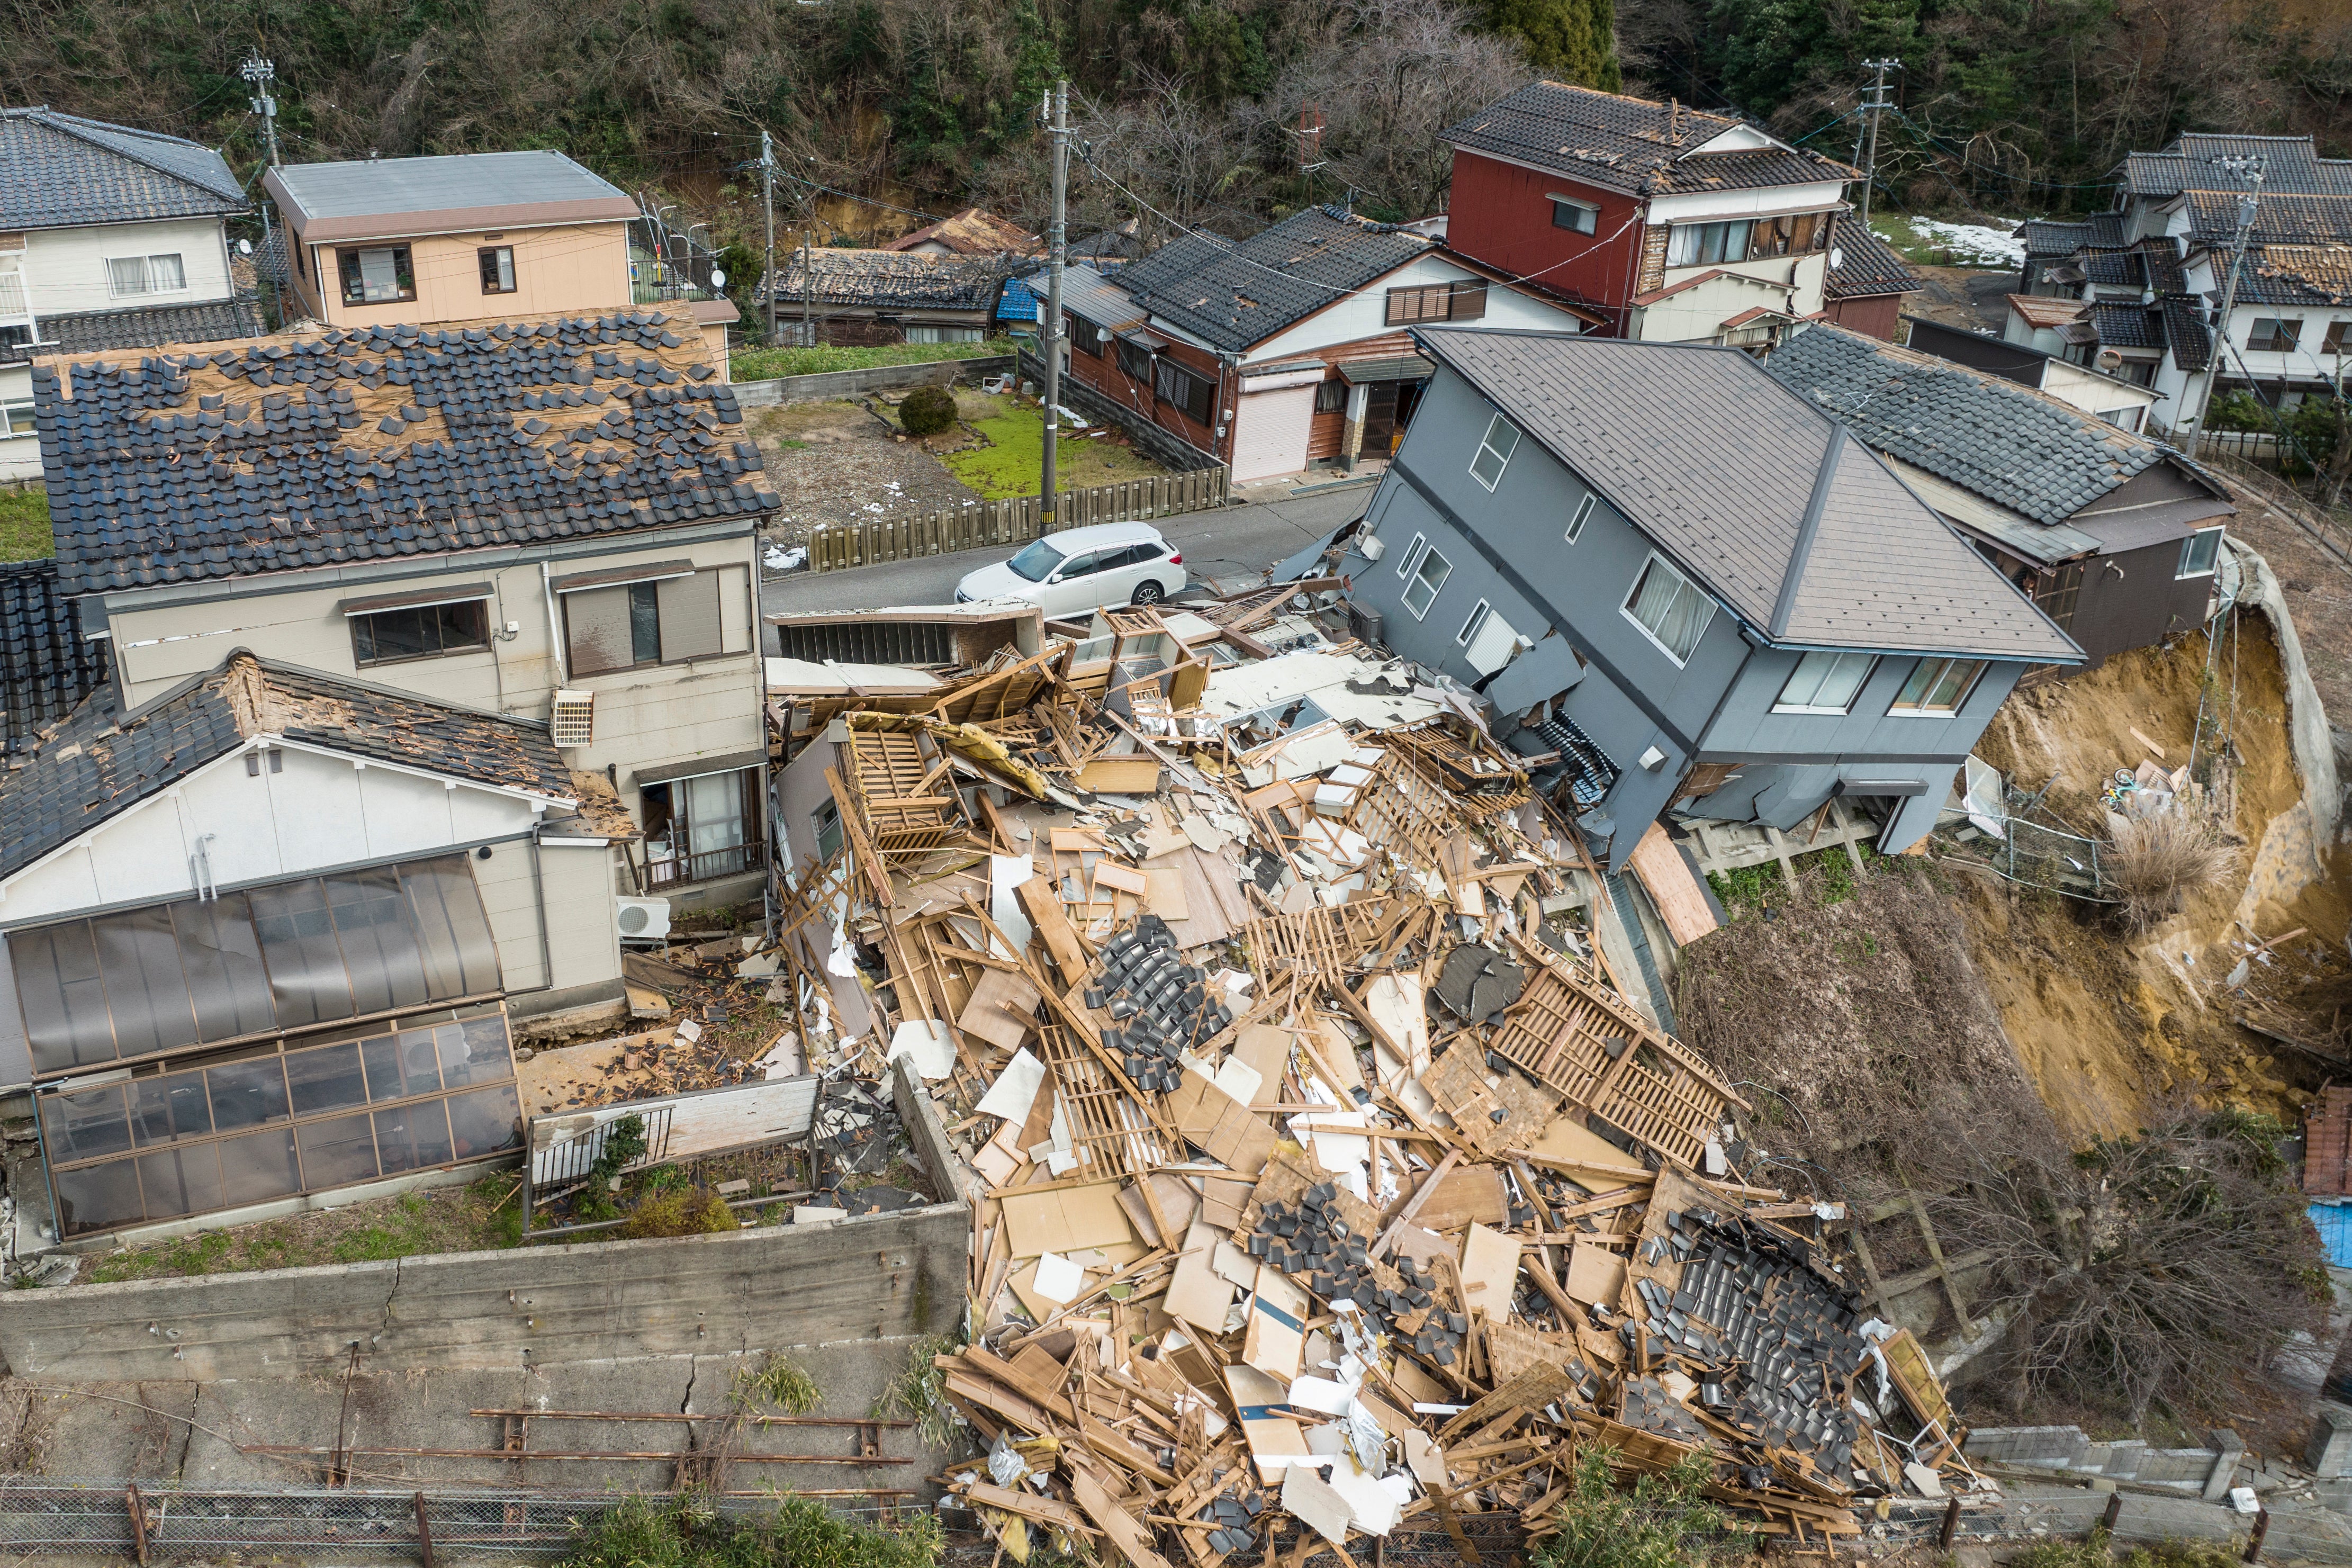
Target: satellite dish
<point>718,278</point>
<point>1837,257</point>
<point>244,247</point>
<point>2110,360</point>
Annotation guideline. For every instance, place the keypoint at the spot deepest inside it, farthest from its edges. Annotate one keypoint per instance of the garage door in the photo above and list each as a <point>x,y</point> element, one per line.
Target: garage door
<point>1271,436</point>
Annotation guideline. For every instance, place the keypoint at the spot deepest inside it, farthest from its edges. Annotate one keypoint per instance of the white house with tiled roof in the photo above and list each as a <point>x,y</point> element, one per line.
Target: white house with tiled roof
<point>110,238</point>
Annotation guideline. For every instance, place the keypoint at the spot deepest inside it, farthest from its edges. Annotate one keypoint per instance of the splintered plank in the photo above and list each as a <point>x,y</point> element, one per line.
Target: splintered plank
<point>1112,1133</point>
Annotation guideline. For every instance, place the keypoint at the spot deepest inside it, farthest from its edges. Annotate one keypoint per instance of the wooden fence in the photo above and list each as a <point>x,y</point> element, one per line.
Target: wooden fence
<point>2259,447</point>
<point>982,524</point>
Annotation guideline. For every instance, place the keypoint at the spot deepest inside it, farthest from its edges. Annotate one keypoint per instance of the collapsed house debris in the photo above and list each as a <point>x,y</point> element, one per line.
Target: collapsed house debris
<point>1322,1162</point>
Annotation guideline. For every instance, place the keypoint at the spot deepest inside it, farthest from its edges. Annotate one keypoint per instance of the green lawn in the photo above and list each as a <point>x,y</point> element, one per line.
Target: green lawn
<point>1009,464</point>
<point>766,365</point>
<point>25,526</point>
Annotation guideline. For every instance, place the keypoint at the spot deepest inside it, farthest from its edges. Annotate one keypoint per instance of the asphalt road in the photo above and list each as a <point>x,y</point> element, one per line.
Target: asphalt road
<point>1224,550</point>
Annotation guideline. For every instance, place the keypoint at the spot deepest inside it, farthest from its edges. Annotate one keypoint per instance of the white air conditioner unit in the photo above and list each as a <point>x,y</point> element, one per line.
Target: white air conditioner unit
<point>573,720</point>
<point>1371,547</point>
<point>641,920</point>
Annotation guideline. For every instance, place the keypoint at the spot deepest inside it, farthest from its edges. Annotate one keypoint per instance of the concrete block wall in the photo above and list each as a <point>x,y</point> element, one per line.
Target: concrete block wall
<point>879,1277</point>
<point>881,378</point>
<point>2197,1471</point>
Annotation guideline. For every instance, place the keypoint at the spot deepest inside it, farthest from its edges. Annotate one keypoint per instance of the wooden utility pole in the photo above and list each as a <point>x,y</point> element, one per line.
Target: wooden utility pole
<point>1876,107</point>
<point>768,207</point>
<point>1057,120</point>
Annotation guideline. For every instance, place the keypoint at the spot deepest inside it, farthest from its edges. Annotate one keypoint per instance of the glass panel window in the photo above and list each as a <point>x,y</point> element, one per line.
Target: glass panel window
<point>474,1051</point>
<point>376,275</point>
<point>420,1062</point>
<point>485,1121</point>
<point>1709,244</point>
<point>1494,449</point>
<point>298,942</point>
<point>338,1152</point>
<point>828,831</point>
<point>171,1107</point>
<point>2199,552</point>
<point>1411,556</point>
<point>100,1197</point>
<point>258,1167</point>
<point>326,1078</point>
<point>422,632</point>
<point>62,998</point>
<point>181,1180</point>
<point>86,1124</point>
<point>1576,217</point>
<point>1938,686</point>
<point>1578,519</point>
<point>130,275</point>
<point>382,1059</point>
<point>1471,627</point>
<point>246,1094</point>
<point>412,1137</point>
<point>1427,579</point>
<point>1670,608</point>
<point>222,960</point>
<point>497,269</point>
<point>1825,683</point>
<point>1134,360</point>
<point>645,622</point>
<point>140,957</point>
<point>1330,397</point>
<point>2273,335</point>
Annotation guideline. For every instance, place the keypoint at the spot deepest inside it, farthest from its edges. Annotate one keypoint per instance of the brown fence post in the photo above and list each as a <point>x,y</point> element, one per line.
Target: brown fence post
<point>2262,1529</point>
<point>1951,1524</point>
<point>2115,1510</point>
<point>423,1532</point>
<point>137,1508</point>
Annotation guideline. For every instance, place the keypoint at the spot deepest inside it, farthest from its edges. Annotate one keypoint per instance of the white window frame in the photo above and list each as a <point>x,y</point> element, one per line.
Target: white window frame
<point>1632,590</point>
<point>1588,211</point>
<point>1896,709</point>
<point>146,275</point>
<point>1502,456</point>
<point>1475,624</point>
<point>1869,665</point>
<point>1582,514</point>
<point>2183,572</point>
<point>1447,571</point>
<point>1412,555</point>
<point>15,418</point>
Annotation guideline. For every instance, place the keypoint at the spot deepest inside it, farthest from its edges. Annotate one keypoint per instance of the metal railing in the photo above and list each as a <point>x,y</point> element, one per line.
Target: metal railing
<point>2029,853</point>
<point>708,866</point>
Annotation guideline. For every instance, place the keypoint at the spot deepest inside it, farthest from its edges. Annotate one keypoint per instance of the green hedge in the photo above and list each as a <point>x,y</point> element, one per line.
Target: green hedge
<point>766,365</point>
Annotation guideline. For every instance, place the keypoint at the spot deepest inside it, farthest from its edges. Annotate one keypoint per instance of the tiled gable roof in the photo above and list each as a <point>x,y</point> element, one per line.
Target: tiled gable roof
<point>47,665</point>
<point>2157,174</point>
<point>2291,164</point>
<point>59,171</point>
<point>2127,326</point>
<point>2280,217</point>
<point>2186,334</point>
<point>2048,240</point>
<point>215,320</point>
<point>1867,265</point>
<point>1233,295</point>
<point>972,232</point>
<point>1631,143</point>
<point>1801,533</point>
<point>102,762</point>
<point>2008,443</point>
<point>2296,275</point>
<point>891,279</point>
<point>283,453</point>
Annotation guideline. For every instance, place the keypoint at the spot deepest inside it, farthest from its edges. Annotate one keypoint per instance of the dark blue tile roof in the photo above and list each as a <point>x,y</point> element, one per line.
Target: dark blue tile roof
<point>1632,144</point>
<point>1233,294</point>
<point>309,450</point>
<point>59,171</point>
<point>46,667</point>
<point>1865,264</point>
<point>91,332</point>
<point>101,761</point>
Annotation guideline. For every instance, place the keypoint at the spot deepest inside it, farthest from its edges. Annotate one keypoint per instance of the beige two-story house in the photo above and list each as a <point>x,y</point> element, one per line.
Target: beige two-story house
<point>469,237</point>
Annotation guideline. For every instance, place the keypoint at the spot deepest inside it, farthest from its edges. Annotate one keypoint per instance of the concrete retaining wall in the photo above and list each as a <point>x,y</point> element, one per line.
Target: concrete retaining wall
<point>2200,1472</point>
<point>881,378</point>
<point>875,1277</point>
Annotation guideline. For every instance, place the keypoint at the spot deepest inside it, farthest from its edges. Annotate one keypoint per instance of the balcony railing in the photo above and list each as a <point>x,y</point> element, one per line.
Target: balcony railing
<point>708,867</point>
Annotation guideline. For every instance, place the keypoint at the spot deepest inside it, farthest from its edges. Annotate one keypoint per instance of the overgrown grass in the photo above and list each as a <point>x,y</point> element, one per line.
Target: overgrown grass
<point>1662,1521</point>
<point>2097,1552</point>
<point>918,1392</point>
<point>1008,464</point>
<point>25,526</point>
<point>1826,875</point>
<point>765,364</point>
<point>800,1533</point>
<point>481,1216</point>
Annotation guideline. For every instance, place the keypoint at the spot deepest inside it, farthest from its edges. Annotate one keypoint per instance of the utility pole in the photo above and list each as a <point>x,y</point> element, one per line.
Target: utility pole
<point>2249,170</point>
<point>1876,105</point>
<point>1057,118</point>
<point>259,73</point>
<point>767,206</point>
<point>808,292</point>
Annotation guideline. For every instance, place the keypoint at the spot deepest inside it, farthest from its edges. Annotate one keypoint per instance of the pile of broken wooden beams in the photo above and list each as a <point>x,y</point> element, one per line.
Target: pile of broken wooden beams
<point>1321,1169</point>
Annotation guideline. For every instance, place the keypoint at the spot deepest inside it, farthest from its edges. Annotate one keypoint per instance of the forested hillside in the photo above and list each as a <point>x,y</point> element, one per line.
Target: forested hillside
<point>1195,111</point>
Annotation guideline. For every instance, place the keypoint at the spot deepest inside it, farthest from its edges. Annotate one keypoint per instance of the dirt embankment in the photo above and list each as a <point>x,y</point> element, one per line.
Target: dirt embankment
<point>2104,1022</point>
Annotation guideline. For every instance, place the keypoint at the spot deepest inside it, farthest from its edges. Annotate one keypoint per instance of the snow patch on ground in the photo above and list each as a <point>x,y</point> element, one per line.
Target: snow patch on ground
<point>1972,244</point>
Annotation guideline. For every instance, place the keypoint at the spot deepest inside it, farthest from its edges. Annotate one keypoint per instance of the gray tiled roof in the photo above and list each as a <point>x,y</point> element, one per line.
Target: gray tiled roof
<point>212,321</point>
<point>47,665</point>
<point>101,761</point>
<point>2048,238</point>
<point>1721,465</point>
<point>58,170</point>
<point>2280,218</point>
<point>2127,326</point>
<point>1867,265</point>
<point>1234,295</point>
<point>2006,442</point>
<point>2155,173</point>
<point>2291,164</point>
<point>890,279</point>
<point>2186,333</point>
<point>284,453</point>
<point>2296,275</point>
<point>1631,143</point>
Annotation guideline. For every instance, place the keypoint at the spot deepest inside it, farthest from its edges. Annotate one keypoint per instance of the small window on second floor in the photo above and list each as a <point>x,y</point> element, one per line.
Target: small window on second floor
<point>1938,686</point>
<point>1574,215</point>
<point>420,631</point>
<point>1494,449</point>
<point>376,275</point>
<point>1428,577</point>
<point>1825,683</point>
<point>2273,335</point>
<point>2338,340</point>
<point>1473,625</point>
<point>1672,608</point>
<point>497,269</point>
<point>1411,556</point>
<point>1580,516</point>
<point>127,276</point>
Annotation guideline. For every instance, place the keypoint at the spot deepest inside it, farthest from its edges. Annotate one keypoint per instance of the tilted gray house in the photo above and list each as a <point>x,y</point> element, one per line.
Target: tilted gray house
<point>1690,583</point>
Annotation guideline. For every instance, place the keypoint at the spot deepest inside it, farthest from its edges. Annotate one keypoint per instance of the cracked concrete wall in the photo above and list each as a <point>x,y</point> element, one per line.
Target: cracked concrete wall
<point>875,1277</point>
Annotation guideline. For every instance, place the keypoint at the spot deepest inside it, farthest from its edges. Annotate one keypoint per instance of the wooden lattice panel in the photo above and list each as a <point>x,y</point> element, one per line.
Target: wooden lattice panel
<point>1479,780</point>
<point>905,794</point>
<point>1601,1056</point>
<point>1321,941</point>
<point>1399,805</point>
<point>1109,1130</point>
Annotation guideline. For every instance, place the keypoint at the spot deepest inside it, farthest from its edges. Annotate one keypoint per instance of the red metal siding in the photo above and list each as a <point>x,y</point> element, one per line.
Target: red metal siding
<point>1874,314</point>
<point>1105,377</point>
<point>1501,215</point>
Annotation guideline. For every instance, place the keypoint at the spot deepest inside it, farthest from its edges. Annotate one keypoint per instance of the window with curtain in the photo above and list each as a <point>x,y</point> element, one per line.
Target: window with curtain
<point>1825,683</point>
<point>1938,686</point>
<point>1670,607</point>
<point>1709,244</point>
<point>133,275</point>
<point>376,275</point>
<point>704,827</point>
<point>144,981</point>
<point>2199,552</point>
<point>633,624</point>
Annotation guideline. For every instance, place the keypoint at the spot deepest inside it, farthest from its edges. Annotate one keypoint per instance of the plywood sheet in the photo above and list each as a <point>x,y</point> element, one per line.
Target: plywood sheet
<point>1596,1275</point>
<point>1003,1009</point>
<point>1065,1219</point>
<point>1121,776</point>
<point>1674,888</point>
<point>1228,1131</point>
<point>1490,1270</point>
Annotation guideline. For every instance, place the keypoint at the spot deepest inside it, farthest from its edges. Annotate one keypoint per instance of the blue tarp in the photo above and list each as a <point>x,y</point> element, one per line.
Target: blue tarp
<point>2334,1223</point>
<point>1019,302</point>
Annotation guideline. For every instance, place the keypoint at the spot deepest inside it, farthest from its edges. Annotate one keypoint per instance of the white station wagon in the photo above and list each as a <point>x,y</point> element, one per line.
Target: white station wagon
<point>1083,569</point>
